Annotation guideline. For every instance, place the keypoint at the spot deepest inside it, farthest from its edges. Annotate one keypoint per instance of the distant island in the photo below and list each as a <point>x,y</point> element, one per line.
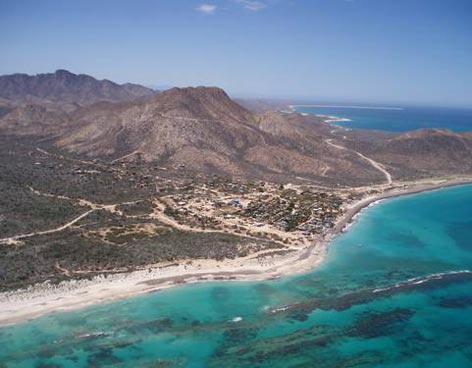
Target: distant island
<point>110,189</point>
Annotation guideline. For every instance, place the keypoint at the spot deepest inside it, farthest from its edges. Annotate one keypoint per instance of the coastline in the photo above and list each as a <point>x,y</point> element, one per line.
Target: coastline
<point>25,304</point>
<point>331,119</point>
<point>352,212</point>
<point>328,119</point>
<point>350,107</point>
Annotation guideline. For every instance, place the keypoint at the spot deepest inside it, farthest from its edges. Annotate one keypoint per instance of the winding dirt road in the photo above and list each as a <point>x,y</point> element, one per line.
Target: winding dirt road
<point>83,202</point>
<point>375,164</point>
<point>13,239</point>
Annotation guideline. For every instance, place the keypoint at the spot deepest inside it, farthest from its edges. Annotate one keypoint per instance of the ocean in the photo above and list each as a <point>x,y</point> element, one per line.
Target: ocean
<point>396,119</point>
<point>394,291</point>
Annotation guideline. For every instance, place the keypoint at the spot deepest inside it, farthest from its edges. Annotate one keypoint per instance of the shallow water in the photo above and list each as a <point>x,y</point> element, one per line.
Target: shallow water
<point>394,291</point>
<point>407,118</point>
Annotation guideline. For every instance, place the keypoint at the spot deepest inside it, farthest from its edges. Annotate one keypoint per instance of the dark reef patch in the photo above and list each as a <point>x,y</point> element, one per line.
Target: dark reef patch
<point>298,316</point>
<point>376,324</point>
<point>460,233</point>
<point>102,358</point>
<point>459,302</point>
<point>47,365</point>
<point>238,335</point>
<point>265,289</point>
<point>46,353</point>
<point>154,326</point>
<point>346,301</point>
<point>409,240</point>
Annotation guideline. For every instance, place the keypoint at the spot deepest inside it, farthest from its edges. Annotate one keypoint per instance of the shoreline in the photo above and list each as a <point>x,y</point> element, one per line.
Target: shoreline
<point>328,119</point>
<point>349,107</point>
<point>351,213</point>
<point>26,304</point>
<point>331,118</point>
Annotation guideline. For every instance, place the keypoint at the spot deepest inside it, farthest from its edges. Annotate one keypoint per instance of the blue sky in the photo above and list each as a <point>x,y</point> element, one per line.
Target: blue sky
<point>393,51</point>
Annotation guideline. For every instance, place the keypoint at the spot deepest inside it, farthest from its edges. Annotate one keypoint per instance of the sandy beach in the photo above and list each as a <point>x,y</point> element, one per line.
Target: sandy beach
<point>21,305</point>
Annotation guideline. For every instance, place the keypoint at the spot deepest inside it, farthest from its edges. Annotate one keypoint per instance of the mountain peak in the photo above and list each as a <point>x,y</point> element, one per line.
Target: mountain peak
<point>198,90</point>
<point>63,72</point>
<point>62,86</point>
<point>210,103</point>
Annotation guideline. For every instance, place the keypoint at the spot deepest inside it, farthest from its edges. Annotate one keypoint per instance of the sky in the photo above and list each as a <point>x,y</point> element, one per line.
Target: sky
<point>384,51</point>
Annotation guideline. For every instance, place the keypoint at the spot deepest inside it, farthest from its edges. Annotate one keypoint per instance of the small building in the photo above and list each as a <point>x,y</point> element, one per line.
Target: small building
<point>235,202</point>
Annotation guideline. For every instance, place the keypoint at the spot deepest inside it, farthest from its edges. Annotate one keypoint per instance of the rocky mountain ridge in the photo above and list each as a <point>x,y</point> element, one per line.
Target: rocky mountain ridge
<point>66,88</point>
<point>201,129</point>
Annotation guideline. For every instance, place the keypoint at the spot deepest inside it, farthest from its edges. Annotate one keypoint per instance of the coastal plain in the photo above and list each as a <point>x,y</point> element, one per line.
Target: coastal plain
<point>115,193</point>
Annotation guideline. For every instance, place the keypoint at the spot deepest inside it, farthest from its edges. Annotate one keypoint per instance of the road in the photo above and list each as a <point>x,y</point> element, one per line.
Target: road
<point>12,239</point>
<point>375,164</point>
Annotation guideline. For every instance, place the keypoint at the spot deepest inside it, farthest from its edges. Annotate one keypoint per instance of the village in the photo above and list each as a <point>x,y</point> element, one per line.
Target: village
<point>286,214</point>
<point>292,215</point>
<point>98,217</point>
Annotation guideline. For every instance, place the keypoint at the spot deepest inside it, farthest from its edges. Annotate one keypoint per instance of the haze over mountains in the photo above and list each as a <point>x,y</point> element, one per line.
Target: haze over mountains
<point>65,87</point>
<point>202,129</point>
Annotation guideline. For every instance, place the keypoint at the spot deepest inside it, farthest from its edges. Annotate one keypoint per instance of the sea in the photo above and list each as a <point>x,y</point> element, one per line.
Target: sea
<point>395,290</point>
<point>394,119</point>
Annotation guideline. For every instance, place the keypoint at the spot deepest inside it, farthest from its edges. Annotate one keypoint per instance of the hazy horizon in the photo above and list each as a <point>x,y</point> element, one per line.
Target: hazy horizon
<point>414,52</point>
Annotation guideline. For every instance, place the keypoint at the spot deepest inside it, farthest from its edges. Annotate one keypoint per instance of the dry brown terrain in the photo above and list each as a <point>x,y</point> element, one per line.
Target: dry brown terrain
<point>202,130</point>
<point>65,89</point>
<point>183,175</point>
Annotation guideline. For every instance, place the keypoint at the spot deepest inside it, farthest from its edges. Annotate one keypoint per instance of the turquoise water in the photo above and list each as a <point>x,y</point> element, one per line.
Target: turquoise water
<point>394,291</point>
<point>397,120</point>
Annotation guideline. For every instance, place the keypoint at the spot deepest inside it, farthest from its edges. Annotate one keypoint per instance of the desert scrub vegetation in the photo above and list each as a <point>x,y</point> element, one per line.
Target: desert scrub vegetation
<point>22,211</point>
<point>139,208</point>
<point>116,239</point>
<point>36,259</point>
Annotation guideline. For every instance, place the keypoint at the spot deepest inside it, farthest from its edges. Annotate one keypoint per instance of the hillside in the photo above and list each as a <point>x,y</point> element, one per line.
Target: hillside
<point>187,174</point>
<point>66,88</point>
<point>202,130</point>
<point>36,120</point>
<point>419,153</point>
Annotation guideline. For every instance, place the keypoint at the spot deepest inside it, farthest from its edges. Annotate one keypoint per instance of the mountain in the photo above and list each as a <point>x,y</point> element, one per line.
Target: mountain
<point>67,88</point>
<point>201,129</point>
<point>34,120</point>
<point>419,153</point>
<point>264,104</point>
<point>170,123</point>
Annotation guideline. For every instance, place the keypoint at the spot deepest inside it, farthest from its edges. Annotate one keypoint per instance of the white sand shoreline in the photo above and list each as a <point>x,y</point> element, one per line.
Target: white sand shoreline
<point>21,305</point>
<point>350,107</point>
